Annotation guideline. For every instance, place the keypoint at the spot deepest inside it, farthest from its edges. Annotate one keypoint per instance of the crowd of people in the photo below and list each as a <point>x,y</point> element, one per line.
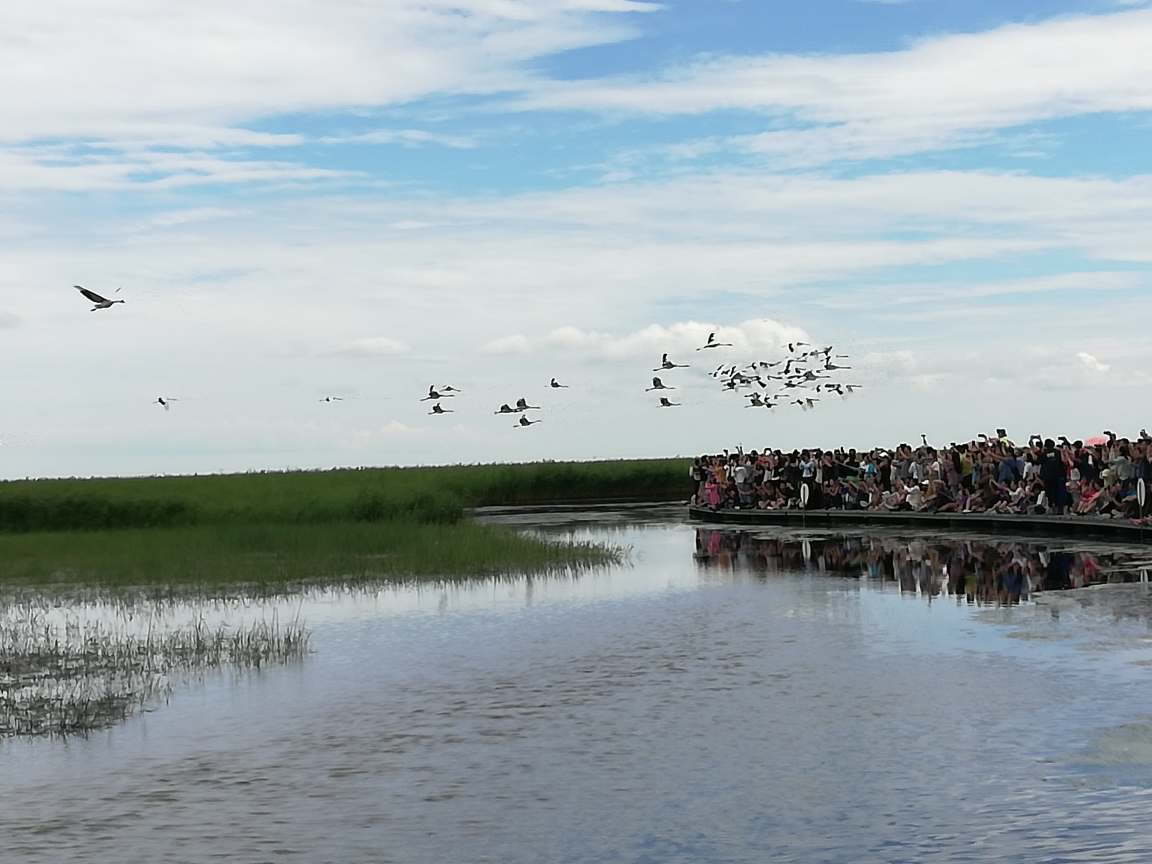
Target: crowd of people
<point>993,474</point>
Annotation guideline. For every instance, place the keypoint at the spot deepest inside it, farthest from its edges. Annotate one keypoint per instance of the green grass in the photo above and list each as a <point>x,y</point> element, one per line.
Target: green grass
<point>423,495</point>
<point>272,556</point>
<point>279,528</point>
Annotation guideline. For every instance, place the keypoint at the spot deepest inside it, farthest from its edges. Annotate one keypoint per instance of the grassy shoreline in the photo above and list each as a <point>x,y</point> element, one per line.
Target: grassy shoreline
<point>278,528</point>
<point>423,495</point>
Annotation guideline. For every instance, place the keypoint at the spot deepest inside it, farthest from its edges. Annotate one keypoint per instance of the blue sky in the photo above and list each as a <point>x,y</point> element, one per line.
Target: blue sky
<point>361,199</point>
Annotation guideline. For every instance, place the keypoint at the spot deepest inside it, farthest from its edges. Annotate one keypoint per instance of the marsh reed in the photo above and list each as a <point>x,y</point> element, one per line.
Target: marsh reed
<point>72,670</point>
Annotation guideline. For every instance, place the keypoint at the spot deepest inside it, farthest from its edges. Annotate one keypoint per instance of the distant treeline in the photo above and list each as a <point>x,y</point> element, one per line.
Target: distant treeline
<point>413,495</point>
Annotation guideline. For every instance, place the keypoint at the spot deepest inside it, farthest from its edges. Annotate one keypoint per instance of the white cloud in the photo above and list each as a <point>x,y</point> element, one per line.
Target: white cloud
<point>405,137</point>
<point>194,214</point>
<point>717,251</point>
<point>396,428</point>
<point>1092,363</point>
<point>943,92</point>
<point>684,337</point>
<point>129,69</point>
<point>138,93</point>
<point>515,344</point>
<point>374,346</point>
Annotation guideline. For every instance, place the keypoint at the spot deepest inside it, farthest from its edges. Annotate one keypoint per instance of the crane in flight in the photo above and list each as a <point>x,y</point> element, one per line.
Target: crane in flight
<point>166,403</point>
<point>524,421</point>
<point>665,402</point>
<point>712,343</point>
<point>557,385</point>
<point>101,302</point>
<point>437,409</point>
<point>657,384</point>
<point>665,363</point>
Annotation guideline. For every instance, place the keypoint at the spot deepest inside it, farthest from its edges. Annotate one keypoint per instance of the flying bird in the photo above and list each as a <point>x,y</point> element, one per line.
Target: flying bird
<point>522,404</point>
<point>665,363</point>
<point>434,394</point>
<point>556,384</point>
<point>524,421</point>
<point>436,409</point>
<point>101,302</point>
<point>448,388</point>
<point>712,343</point>
<point>334,399</point>
<point>165,402</point>
<point>504,409</point>
<point>657,384</point>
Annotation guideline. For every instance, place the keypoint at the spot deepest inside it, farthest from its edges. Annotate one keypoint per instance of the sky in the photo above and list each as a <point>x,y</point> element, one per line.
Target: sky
<point>363,198</point>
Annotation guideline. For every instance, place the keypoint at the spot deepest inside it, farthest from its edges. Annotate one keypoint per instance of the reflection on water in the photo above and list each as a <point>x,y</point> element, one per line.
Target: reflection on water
<point>676,709</point>
<point>979,570</point>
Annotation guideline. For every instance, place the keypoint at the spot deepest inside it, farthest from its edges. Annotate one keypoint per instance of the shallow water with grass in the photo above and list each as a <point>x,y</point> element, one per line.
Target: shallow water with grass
<point>715,698</point>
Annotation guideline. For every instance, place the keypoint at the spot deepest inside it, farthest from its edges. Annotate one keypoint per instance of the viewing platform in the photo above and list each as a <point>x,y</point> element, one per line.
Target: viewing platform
<point>1047,526</point>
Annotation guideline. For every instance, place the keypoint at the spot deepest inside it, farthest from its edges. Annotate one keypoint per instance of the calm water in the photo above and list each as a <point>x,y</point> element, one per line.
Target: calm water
<point>700,705</point>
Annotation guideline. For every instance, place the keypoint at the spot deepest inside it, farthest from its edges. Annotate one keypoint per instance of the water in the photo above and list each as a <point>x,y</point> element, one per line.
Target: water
<point>681,708</point>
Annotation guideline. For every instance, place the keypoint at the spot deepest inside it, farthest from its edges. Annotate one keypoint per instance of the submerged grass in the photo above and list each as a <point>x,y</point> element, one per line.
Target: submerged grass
<point>65,675</point>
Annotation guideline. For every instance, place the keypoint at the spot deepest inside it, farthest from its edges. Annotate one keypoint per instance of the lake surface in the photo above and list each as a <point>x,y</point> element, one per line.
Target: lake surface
<point>706,702</point>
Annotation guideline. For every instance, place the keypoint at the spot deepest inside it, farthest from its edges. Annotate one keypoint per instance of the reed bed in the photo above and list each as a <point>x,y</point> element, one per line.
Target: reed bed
<point>64,673</point>
<point>424,495</point>
<point>211,558</point>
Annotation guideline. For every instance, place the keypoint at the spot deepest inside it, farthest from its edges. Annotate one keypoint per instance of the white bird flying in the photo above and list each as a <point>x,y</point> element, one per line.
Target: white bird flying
<point>665,363</point>
<point>165,402</point>
<point>712,343</point>
<point>101,302</point>
<point>332,399</point>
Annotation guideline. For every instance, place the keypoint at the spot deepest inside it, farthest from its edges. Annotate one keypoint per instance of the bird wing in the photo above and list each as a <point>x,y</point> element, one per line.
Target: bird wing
<point>91,295</point>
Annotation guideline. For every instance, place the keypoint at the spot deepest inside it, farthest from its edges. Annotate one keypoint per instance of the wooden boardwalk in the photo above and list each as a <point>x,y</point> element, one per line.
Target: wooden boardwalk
<point>1049,526</point>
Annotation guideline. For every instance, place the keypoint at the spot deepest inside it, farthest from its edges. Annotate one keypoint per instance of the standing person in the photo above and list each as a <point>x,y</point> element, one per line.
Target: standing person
<point>1051,471</point>
<point>808,477</point>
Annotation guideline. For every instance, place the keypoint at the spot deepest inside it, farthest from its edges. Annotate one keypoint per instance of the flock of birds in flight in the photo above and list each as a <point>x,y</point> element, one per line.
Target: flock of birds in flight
<point>803,373</point>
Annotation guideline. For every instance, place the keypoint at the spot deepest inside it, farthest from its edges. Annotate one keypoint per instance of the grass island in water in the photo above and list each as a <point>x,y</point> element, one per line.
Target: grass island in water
<point>270,528</point>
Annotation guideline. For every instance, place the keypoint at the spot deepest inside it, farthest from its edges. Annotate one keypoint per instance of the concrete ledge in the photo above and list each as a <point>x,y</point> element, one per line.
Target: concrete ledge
<point>1048,526</point>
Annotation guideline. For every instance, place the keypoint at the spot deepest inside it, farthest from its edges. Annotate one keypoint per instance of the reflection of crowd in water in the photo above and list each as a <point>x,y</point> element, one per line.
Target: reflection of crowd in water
<point>982,571</point>
<point>1098,477</point>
